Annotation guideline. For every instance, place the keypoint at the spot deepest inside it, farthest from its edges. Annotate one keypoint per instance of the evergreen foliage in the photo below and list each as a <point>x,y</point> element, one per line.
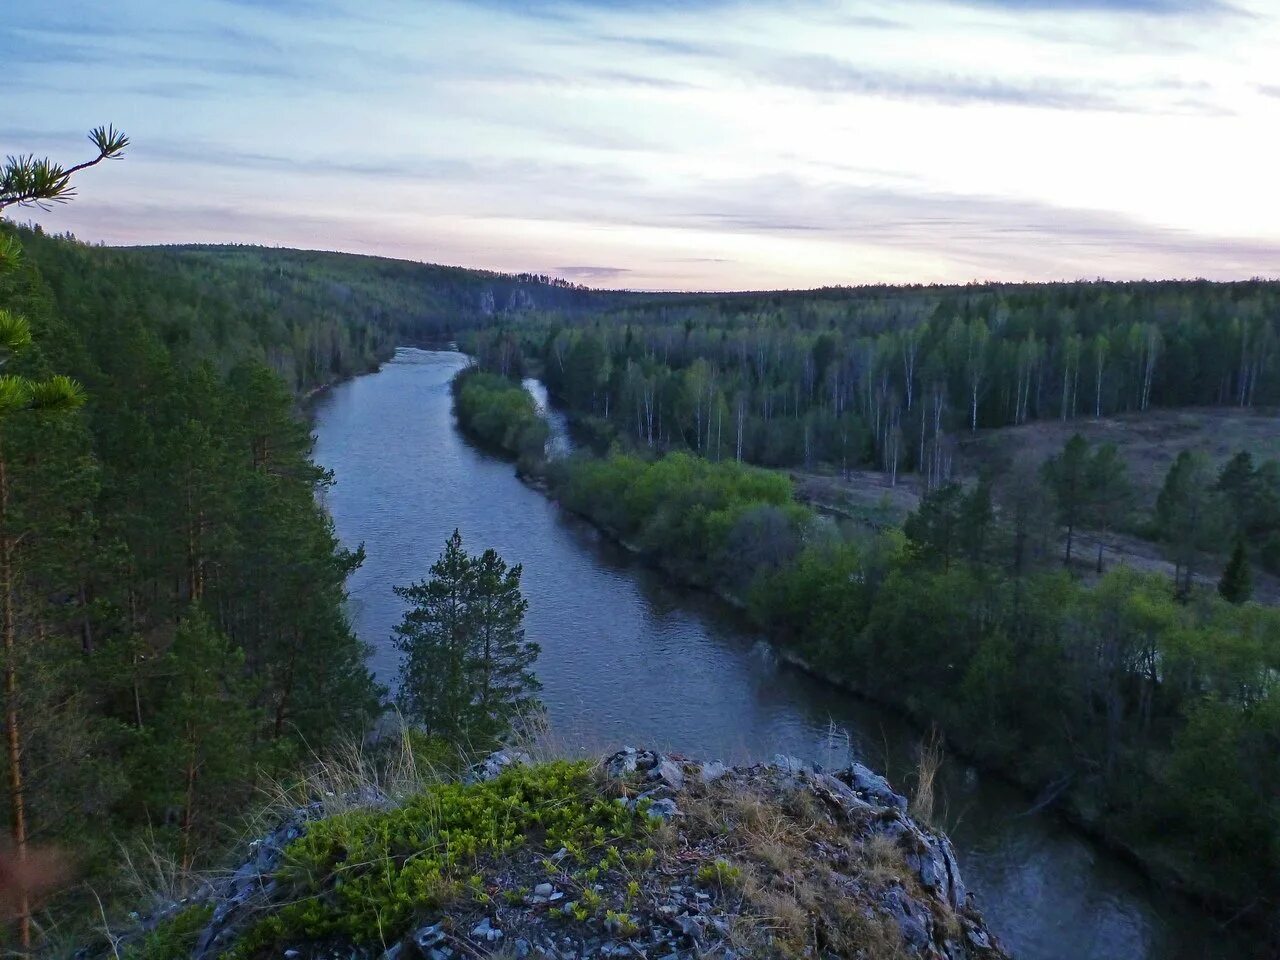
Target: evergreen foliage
<point>1236,585</point>
<point>466,673</point>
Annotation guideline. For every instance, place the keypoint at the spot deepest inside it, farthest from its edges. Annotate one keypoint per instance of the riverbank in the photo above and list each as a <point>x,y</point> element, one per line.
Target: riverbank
<point>1074,800</point>
<point>1158,868</point>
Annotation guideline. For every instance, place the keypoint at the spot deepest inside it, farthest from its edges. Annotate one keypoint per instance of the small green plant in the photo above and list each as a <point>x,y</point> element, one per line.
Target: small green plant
<point>173,938</point>
<point>367,875</point>
<point>621,924</point>
<point>719,873</point>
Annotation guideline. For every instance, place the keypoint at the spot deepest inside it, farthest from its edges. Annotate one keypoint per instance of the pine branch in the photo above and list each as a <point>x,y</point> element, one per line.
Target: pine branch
<point>28,181</point>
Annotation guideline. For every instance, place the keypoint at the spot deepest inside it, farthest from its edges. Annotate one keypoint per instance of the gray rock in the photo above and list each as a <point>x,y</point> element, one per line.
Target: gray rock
<point>543,890</point>
<point>669,773</point>
<point>493,765</point>
<point>427,938</point>
<point>876,787</point>
<point>839,794</point>
<point>979,938</point>
<point>912,919</point>
<point>713,771</point>
<point>621,763</point>
<point>664,809</point>
<point>792,765</point>
<point>486,931</point>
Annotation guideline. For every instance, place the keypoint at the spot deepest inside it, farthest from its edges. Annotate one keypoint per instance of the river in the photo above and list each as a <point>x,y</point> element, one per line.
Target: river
<point>627,657</point>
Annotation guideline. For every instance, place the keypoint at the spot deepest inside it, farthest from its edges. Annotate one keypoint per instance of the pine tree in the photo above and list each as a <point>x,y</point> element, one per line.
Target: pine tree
<point>466,669</point>
<point>1067,475</point>
<point>199,756</point>
<point>1236,585</point>
<point>501,658</point>
<point>433,638</point>
<point>19,394</point>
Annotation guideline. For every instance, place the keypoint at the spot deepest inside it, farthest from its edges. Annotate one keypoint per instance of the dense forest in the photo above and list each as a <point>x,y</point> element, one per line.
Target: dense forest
<point>172,591</point>
<point>892,376</point>
<point>309,316</point>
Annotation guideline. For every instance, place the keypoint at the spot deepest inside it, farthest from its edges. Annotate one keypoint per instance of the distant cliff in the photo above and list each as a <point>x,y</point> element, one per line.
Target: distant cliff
<point>639,855</point>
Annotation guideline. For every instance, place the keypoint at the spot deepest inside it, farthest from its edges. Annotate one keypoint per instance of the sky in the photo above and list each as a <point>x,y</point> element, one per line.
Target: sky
<point>672,144</point>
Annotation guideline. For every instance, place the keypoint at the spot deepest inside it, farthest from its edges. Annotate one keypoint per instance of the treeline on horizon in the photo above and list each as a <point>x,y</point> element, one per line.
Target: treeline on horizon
<point>893,378</point>
<point>310,316</point>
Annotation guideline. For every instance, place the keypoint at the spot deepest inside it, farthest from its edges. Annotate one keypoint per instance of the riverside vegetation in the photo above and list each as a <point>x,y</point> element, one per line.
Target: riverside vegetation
<point>1141,707</point>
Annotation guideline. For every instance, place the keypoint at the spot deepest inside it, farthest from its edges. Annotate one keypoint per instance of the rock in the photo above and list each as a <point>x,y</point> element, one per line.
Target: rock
<point>937,868</point>
<point>712,771</point>
<point>427,938</point>
<point>792,765</point>
<point>621,763</point>
<point>664,809</point>
<point>485,931</point>
<point>839,794</point>
<point>876,787</point>
<point>493,765</point>
<point>669,773</point>
<point>673,911</point>
<point>911,917</point>
<point>979,938</point>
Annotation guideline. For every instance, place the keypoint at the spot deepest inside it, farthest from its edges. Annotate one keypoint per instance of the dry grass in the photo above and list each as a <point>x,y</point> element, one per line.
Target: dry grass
<point>792,901</point>
<point>928,764</point>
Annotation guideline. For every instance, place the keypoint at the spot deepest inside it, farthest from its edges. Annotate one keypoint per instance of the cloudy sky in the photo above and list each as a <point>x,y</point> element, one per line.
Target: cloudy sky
<point>716,144</point>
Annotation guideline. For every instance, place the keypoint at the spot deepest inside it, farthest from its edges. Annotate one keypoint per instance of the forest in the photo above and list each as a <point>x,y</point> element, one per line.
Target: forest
<point>172,590</point>
<point>893,376</point>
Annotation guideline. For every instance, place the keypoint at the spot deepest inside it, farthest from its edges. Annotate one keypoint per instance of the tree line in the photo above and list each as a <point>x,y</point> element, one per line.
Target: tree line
<point>892,377</point>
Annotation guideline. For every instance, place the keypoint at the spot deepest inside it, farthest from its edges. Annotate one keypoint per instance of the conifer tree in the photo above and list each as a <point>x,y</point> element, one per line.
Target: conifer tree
<point>466,669</point>
<point>1236,585</point>
<point>199,756</point>
<point>433,638</point>
<point>501,658</point>
<point>19,394</point>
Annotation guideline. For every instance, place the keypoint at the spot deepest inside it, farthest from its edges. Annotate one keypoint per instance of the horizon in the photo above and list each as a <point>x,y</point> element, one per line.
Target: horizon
<point>618,147</point>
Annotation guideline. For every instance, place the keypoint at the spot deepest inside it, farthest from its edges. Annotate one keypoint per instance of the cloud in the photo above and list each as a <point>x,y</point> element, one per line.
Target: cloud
<point>822,74</point>
<point>1156,7</point>
<point>592,274</point>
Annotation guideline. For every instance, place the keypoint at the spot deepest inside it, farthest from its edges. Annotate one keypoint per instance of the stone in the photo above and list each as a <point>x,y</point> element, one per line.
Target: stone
<point>712,771</point>
<point>669,773</point>
<point>426,938</point>
<point>486,931</point>
<point>543,890</point>
<point>876,787</point>
<point>979,938</point>
<point>664,809</point>
<point>792,765</point>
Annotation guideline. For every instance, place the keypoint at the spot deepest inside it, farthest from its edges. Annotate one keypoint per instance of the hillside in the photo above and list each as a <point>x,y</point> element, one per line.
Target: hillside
<point>313,317</point>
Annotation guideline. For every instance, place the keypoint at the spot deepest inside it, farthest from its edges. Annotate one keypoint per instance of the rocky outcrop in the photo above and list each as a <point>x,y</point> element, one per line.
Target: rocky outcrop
<point>699,859</point>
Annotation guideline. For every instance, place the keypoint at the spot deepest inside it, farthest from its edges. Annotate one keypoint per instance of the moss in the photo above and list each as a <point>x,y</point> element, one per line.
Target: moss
<point>368,876</point>
<point>173,938</point>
